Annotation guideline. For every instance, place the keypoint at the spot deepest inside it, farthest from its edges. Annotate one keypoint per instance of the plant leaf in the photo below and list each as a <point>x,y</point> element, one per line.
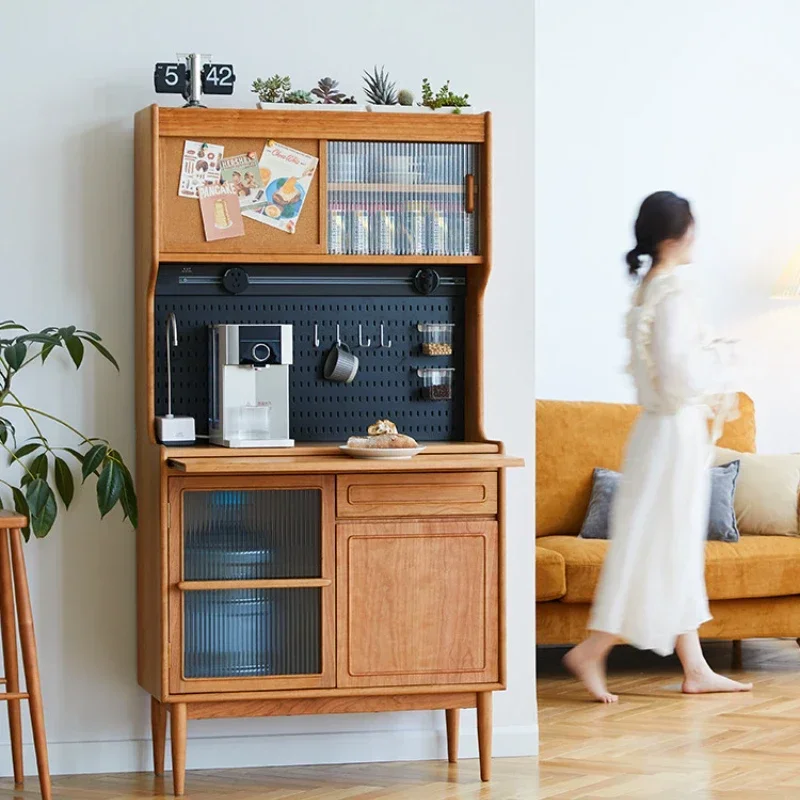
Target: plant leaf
<point>36,494</point>
<point>89,335</point>
<point>46,350</point>
<point>75,347</point>
<point>64,481</point>
<point>15,354</point>
<point>74,453</point>
<point>23,451</point>
<point>38,467</point>
<point>101,349</point>
<point>65,333</point>
<point>109,487</point>
<point>10,325</point>
<point>93,458</point>
<point>42,504</point>
<point>42,338</point>
<point>6,429</point>
<point>21,507</point>
<point>128,497</point>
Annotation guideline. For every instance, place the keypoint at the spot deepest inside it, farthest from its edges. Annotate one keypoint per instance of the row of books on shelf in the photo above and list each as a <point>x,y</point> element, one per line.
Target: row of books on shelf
<point>400,229</point>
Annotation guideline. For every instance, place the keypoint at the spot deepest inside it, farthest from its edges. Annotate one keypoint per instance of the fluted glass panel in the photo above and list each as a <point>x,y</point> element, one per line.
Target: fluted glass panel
<point>252,534</point>
<point>401,198</point>
<point>252,632</point>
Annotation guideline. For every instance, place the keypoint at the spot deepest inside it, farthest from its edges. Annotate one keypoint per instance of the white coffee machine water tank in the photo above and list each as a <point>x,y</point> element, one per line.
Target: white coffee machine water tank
<point>249,385</point>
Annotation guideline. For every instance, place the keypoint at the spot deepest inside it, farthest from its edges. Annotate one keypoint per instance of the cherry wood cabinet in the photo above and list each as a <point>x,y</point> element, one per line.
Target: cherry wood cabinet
<point>300,581</point>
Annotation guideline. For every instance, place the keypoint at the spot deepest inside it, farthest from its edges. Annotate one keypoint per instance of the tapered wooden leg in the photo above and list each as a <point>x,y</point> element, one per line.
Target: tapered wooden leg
<point>453,717</point>
<point>178,733</point>
<point>485,734</point>
<point>736,655</point>
<point>30,663</point>
<point>158,721</point>
<point>8,630</point>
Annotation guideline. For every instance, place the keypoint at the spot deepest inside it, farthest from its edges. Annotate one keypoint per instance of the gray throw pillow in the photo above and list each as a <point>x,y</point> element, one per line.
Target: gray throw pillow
<point>722,517</point>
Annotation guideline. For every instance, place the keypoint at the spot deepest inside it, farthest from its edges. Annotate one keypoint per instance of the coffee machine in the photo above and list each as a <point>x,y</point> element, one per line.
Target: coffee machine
<point>249,385</point>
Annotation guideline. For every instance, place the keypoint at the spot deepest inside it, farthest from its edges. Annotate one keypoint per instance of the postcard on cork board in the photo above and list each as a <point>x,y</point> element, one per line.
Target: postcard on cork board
<point>222,215</point>
<point>287,175</point>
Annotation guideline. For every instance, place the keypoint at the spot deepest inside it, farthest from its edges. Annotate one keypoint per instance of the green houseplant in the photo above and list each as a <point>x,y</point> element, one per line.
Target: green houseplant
<point>272,90</point>
<point>42,465</point>
<point>444,98</point>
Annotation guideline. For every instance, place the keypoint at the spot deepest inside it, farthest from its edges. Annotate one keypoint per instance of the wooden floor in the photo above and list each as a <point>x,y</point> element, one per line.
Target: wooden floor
<point>657,743</point>
<point>654,744</point>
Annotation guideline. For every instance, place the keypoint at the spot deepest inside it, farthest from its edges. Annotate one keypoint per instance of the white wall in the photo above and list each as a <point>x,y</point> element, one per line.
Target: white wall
<point>66,233</point>
<point>698,97</point>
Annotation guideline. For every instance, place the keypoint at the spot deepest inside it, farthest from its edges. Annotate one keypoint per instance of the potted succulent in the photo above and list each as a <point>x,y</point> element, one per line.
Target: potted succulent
<point>444,100</point>
<point>272,91</point>
<point>44,473</point>
<point>381,93</point>
<point>277,92</point>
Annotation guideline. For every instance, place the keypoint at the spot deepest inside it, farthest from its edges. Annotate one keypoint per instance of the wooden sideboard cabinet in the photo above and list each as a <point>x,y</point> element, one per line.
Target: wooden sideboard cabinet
<point>298,580</point>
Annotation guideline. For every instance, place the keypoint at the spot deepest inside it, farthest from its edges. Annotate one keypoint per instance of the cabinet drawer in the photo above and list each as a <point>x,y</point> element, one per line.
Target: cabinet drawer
<point>415,495</point>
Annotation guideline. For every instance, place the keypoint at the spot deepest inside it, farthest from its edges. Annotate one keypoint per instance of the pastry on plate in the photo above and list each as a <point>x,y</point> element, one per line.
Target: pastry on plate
<point>383,435</point>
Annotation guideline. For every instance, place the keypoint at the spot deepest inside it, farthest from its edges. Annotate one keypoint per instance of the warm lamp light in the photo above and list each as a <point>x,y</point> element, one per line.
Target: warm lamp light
<point>787,287</point>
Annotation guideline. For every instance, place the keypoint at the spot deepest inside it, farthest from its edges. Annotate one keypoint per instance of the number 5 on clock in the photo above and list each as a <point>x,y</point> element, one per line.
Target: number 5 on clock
<point>170,78</point>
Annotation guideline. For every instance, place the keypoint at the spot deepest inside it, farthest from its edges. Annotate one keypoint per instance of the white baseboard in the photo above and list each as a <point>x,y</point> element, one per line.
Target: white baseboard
<point>347,747</point>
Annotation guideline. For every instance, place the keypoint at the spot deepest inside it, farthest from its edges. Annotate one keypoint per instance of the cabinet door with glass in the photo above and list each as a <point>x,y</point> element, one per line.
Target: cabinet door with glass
<point>403,199</point>
<point>251,583</point>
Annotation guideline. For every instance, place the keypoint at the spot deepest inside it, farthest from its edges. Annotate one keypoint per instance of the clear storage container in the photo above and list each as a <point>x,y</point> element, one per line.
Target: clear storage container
<point>437,338</point>
<point>437,383</point>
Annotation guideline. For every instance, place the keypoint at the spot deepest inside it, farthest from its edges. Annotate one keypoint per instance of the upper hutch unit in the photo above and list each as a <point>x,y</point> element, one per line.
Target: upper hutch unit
<point>298,580</point>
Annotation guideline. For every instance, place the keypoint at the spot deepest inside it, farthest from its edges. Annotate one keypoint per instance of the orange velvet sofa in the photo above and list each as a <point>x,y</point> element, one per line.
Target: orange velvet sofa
<point>753,585</point>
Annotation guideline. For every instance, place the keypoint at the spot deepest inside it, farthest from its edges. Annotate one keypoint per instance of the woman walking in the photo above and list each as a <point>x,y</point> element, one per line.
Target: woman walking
<point>651,593</point>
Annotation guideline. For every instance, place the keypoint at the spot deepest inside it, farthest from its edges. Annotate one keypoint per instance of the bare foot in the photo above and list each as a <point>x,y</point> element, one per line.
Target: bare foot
<point>589,670</point>
<point>710,683</point>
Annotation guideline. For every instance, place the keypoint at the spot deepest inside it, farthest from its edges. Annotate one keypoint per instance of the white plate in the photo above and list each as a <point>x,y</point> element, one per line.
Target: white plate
<point>378,452</point>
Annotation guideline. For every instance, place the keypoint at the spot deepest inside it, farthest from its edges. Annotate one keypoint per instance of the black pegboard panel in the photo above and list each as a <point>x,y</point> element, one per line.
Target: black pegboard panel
<point>386,386</point>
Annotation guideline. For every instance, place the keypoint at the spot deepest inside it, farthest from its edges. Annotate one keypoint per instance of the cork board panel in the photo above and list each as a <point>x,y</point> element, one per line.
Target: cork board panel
<point>182,226</point>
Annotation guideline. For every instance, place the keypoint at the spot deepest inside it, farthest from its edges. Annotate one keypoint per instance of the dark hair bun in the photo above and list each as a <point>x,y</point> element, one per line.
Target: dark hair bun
<point>632,260</point>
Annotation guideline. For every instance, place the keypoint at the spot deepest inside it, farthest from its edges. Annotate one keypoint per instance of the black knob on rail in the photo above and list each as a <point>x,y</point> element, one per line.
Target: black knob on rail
<point>427,281</point>
<point>235,280</point>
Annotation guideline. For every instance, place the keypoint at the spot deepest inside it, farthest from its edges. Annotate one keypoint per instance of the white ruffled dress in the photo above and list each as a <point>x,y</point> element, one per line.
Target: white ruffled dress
<point>652,585</point>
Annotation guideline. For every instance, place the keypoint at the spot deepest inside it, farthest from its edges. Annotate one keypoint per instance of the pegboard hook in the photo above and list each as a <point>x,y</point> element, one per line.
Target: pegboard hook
<point>316,335</point>
<point>338,336</point>
<point>387,343</point>
<point>361,340</point>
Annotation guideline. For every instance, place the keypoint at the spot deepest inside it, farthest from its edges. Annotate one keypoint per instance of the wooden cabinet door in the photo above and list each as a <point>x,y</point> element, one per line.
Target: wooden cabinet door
<point>417,603</point>
<point>251,583</point>
<point>182,226</point>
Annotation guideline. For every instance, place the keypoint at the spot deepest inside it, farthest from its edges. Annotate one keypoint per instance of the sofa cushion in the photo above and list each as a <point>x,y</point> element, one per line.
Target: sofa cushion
<point>756,566</point>
<point>551,576</point>
<point>721,519</point>
<point>766,493</point>
<point>573,438</point>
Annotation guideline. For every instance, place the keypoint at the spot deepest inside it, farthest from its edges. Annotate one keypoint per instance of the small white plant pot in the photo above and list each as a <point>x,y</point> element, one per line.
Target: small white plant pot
<point>396,109</point>
<point>308,107</point>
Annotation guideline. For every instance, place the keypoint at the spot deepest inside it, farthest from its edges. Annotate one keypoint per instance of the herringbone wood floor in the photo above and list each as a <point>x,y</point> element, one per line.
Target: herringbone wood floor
<point>654,744</point>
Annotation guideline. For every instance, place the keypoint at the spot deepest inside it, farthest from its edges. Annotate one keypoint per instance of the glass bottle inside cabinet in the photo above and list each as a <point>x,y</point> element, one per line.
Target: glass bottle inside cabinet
<point>244,535</point>
<point>402,198</point>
